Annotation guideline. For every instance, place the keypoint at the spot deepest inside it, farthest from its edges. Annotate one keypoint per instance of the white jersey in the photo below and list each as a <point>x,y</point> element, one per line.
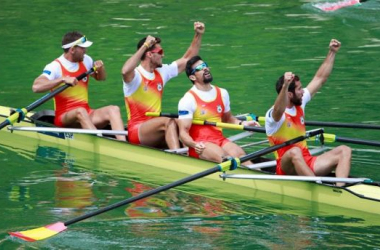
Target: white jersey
<point>271,126</point>
<point>188,103</point>
<point>167,72</point>
<point>53,70</point>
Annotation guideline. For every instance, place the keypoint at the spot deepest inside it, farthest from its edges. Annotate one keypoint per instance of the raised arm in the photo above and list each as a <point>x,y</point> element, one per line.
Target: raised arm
<point>128,69</point>
<point>325,69</point>
<point>100,73</point>
<point>282,99</point>
<point>195,45</point>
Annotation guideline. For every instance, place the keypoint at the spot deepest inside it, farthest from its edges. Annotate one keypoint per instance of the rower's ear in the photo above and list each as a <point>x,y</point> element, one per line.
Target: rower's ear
<point>192,77</point>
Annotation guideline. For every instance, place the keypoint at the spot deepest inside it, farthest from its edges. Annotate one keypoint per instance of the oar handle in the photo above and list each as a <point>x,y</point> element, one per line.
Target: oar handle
<point>161,114</point>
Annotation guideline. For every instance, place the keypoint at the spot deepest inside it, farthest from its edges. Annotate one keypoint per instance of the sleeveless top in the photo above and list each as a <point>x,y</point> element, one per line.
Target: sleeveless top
<point>72,97</point>
<point>147,98</point>
<point>211,111</point>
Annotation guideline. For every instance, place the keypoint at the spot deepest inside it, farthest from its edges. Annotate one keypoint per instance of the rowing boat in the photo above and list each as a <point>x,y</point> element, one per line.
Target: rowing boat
<point>166,167</point>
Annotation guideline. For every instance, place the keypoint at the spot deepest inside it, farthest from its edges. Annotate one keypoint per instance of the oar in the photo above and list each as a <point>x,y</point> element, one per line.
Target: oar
<point>327,137</point>
<point>19,114</point>
<point>342,125</point>
<point>68,130</point>
<point>295,178</point>
<point>261,120</point>
<point>334,138</point>
<point>42,233</point>
<point>216,124</point>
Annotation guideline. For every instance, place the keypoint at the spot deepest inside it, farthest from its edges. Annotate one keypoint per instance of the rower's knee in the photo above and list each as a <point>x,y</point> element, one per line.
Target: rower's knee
<point>171,124</point>
<point>295,154</point>
<point>345,151</point>
<point>81,114</point>
<point>114,111</point>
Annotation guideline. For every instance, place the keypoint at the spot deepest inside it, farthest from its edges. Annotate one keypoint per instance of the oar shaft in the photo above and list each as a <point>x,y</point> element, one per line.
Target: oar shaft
<point>68,130</point>
<point>357,141</point>
<point>145,194</point>
<point>294,178</point>
<point>230,126</point>
<point>284,144</point>
<point>342,125</point>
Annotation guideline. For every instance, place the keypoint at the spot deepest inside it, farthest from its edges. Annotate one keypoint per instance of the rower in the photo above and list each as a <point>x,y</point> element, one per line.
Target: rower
<point>206,102</point>
<point>286,120</point>
<point>71,105</point>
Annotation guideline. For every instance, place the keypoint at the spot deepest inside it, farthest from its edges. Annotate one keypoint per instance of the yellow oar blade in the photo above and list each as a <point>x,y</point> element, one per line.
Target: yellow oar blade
<point>40,233</point>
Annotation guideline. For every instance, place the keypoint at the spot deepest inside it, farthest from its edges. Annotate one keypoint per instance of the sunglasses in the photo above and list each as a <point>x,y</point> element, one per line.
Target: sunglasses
<point>81,40</point>
<point>158,51</point>
<point>199,67</point>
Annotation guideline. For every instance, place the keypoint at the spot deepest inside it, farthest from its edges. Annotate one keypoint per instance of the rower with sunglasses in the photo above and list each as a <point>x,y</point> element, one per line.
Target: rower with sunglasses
<point>143,87</point>
<point>206,102</point>
<point>71,105</point>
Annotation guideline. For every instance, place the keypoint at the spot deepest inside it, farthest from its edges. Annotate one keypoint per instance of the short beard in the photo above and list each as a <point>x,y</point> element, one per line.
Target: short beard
<point>207,80</point>
<point>297,101</point>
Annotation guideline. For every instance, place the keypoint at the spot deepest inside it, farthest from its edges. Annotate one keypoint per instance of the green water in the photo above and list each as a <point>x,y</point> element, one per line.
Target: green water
<point>248,45</point>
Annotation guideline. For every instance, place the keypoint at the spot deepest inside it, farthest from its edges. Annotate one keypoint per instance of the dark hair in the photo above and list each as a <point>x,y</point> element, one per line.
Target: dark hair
<point>141,43</point>
<point>189,65</point>
<point>292,85</point>
<point>70,37</point>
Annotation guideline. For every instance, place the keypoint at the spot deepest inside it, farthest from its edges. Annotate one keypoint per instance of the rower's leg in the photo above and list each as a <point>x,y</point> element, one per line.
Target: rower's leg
<point>233,150</point>
<point>171,134</point>
<point>213,152</point>
<point>338,158</point>
<point>293,163</point>
<point>77,116</point>
<point>159,132</point>
<point>109,115</point>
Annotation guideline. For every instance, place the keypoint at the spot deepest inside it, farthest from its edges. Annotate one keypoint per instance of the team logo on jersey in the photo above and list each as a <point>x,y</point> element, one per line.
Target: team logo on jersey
<point>302,120</point>
<point>159,87</point>
<point>219,109</point>
<point>203,112</point>
<point>288,124</point>
<point>84,79</point>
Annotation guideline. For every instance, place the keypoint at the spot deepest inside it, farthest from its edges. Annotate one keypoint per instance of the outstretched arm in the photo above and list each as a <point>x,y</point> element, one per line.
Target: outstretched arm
<point>325,69</point>
<point>195,45</point>
<point>282,99</point>
<point>42,83</point>
<point>128,69</point>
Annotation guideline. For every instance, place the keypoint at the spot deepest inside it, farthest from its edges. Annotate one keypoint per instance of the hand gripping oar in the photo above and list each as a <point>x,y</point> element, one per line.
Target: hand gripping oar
<point>19,114</point>
<point>42,233</point>
<point>216,124</point>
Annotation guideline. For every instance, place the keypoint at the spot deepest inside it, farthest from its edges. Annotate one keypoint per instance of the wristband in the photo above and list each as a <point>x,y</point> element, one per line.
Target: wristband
<point>146,45</point>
